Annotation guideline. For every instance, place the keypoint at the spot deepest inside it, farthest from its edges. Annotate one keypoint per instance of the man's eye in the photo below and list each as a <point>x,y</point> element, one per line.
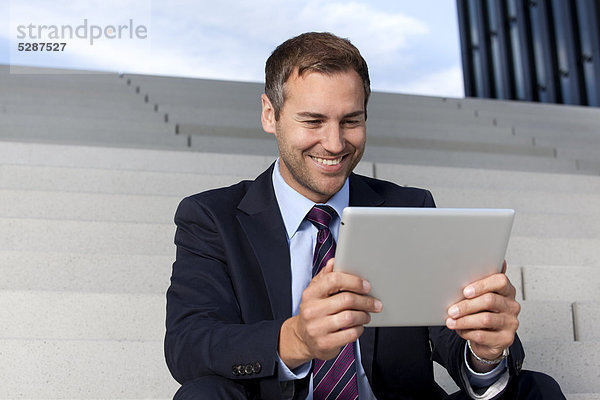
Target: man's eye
<point>312,122</point>
<point>351,122</point>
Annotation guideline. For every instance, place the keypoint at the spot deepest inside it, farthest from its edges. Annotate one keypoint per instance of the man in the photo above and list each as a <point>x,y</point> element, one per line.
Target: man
<point>245,316</point>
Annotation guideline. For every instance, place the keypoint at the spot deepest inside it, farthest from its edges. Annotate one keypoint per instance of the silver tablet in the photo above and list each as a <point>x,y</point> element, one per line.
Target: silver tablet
<point>418,260</point>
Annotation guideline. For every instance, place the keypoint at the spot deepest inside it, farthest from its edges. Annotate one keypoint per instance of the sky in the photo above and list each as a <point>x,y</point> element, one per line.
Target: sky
<point>410,46</point>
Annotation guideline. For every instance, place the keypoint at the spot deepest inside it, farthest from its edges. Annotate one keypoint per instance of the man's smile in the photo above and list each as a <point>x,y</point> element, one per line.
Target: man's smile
<point>324,161</point>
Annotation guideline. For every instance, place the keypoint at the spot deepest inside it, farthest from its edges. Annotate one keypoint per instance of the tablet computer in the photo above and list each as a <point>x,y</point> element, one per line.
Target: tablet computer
<point>418,260</point>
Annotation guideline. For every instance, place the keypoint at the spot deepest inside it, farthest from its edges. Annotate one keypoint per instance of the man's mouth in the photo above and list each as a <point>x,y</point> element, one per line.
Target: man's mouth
<point>323,161</point>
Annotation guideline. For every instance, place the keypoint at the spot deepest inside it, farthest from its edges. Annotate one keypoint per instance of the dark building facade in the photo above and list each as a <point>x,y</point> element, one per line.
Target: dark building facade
<point>535,50</point>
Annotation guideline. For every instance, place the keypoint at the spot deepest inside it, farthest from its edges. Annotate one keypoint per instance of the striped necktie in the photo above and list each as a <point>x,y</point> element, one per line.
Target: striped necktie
<point>335,378</point>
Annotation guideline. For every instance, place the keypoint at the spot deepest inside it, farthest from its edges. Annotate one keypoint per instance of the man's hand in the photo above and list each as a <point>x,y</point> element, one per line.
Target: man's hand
<point>487,317</point>
<point>333,310</point>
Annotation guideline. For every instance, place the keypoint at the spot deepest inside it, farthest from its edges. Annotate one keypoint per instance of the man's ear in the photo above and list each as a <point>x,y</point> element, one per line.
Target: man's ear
<point>267,116</point>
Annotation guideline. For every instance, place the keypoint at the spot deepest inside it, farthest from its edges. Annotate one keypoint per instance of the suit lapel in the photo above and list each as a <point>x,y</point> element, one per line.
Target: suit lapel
<point>362,195</point>
<point>260,218</point>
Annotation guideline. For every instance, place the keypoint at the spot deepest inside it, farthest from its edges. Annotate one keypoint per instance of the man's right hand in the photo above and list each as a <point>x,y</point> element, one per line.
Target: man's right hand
<point>333,310</point>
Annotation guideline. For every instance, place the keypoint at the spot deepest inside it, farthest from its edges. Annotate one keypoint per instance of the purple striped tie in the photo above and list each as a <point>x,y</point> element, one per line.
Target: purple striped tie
<point>335,378</point>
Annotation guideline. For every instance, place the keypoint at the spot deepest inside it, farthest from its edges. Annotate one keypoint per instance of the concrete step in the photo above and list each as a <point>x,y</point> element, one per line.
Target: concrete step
<point>67,83</point>
<point>89,273</point>
<point>64,155</point>
<point>554,251</point>
<point>19,98</point>
<point>128,111</point>
<point>551,122</point>
<point>438,158</point>
<point>546,320</point>
<point>157,135</point>
<point>446,128</point>
<point>181,88</point>
<point>523,107</point>
<point>88,206</point>
<point>84,369</point>
<point>86,237</point>
<point>588,166</point>
<point>514,274</point>
<point>82,316</point>
<point>561,283</point>
<point>114,127</point>
<point>568,143</point>
<point>455,177</point>
<point>253,145</point>
<point>530,201</point>
<point>583,396</point>
<point>220,115</point>
<point>571,224</point>
<point>25,178</point>
<point>586,317</point>
<point>573,364</point>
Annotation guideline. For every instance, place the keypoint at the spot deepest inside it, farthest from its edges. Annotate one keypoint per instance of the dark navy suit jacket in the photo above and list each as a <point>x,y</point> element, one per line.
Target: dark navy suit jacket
<point>231,291</point>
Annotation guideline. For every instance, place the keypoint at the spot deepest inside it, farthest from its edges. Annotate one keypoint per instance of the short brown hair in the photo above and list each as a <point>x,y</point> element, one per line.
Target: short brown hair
<point>313,51</point>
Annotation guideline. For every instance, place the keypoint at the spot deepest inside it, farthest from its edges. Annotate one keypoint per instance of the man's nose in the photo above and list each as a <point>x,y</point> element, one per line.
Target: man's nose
<point>333,139</point>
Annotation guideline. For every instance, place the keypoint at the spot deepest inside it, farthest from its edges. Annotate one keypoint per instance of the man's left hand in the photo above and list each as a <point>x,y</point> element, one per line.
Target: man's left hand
<point>487,317</point>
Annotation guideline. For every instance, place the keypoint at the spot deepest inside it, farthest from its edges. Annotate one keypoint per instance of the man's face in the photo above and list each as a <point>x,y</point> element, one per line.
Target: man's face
<point>321,131</point>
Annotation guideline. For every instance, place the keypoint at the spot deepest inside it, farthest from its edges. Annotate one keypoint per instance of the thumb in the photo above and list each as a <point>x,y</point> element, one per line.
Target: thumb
<point>328,268</point>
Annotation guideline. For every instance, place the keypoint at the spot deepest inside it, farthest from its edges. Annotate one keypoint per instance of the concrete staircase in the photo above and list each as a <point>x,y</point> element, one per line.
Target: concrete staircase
<point>92,169</point>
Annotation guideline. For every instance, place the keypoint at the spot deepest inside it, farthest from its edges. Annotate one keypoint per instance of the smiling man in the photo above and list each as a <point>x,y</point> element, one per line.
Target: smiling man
<point>255,310</point>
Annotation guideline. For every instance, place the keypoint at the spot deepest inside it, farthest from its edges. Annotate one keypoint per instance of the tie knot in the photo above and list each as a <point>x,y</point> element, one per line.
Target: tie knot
<point>320,216</point>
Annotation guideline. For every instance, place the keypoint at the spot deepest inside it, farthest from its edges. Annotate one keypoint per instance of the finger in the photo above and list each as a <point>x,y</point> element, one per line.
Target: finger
<point>327,283</point>
<point>504,267</point>
<point>487,302</point>
<point>329,266</point>
<point>485,321</point>
<point>351,301</point>
<point>332,323</point>
<point>328,346</point>
<point>347,319</point>
<point>340,302</point>
<point>496,283</point>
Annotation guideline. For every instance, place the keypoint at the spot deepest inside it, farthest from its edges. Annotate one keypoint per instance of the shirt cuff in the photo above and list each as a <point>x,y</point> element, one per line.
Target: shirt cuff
<point>485,385</point>
<point>286,374</point>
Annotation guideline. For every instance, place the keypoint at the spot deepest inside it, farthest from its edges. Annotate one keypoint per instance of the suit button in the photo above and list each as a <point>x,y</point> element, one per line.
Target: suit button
<point>257,367</point>
<point>235,371</point>
<point>249,370</point>
<point>241,369</point>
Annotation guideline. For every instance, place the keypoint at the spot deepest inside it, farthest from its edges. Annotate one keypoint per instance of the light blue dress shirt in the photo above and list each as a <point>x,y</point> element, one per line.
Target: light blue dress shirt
<point>302,237</point>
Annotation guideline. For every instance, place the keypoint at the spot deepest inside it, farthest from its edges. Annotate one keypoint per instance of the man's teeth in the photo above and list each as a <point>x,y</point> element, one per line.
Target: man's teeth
<point>328,162</point>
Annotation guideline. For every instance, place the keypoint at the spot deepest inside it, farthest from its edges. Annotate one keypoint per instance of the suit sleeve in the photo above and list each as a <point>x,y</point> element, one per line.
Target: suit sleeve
<point>448,350</point>
<point>206,334</point>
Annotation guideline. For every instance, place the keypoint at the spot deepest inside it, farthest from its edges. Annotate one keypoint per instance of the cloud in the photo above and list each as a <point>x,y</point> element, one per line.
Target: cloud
<point>446,83</point>
<point>235,41</point>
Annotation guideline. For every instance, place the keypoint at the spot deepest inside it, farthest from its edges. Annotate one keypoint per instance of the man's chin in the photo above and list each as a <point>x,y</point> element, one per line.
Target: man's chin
<point>328,191</point>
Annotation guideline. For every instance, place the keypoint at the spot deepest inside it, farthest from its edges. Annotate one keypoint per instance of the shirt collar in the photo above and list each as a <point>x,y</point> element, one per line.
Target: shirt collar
<point>294,206</point>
